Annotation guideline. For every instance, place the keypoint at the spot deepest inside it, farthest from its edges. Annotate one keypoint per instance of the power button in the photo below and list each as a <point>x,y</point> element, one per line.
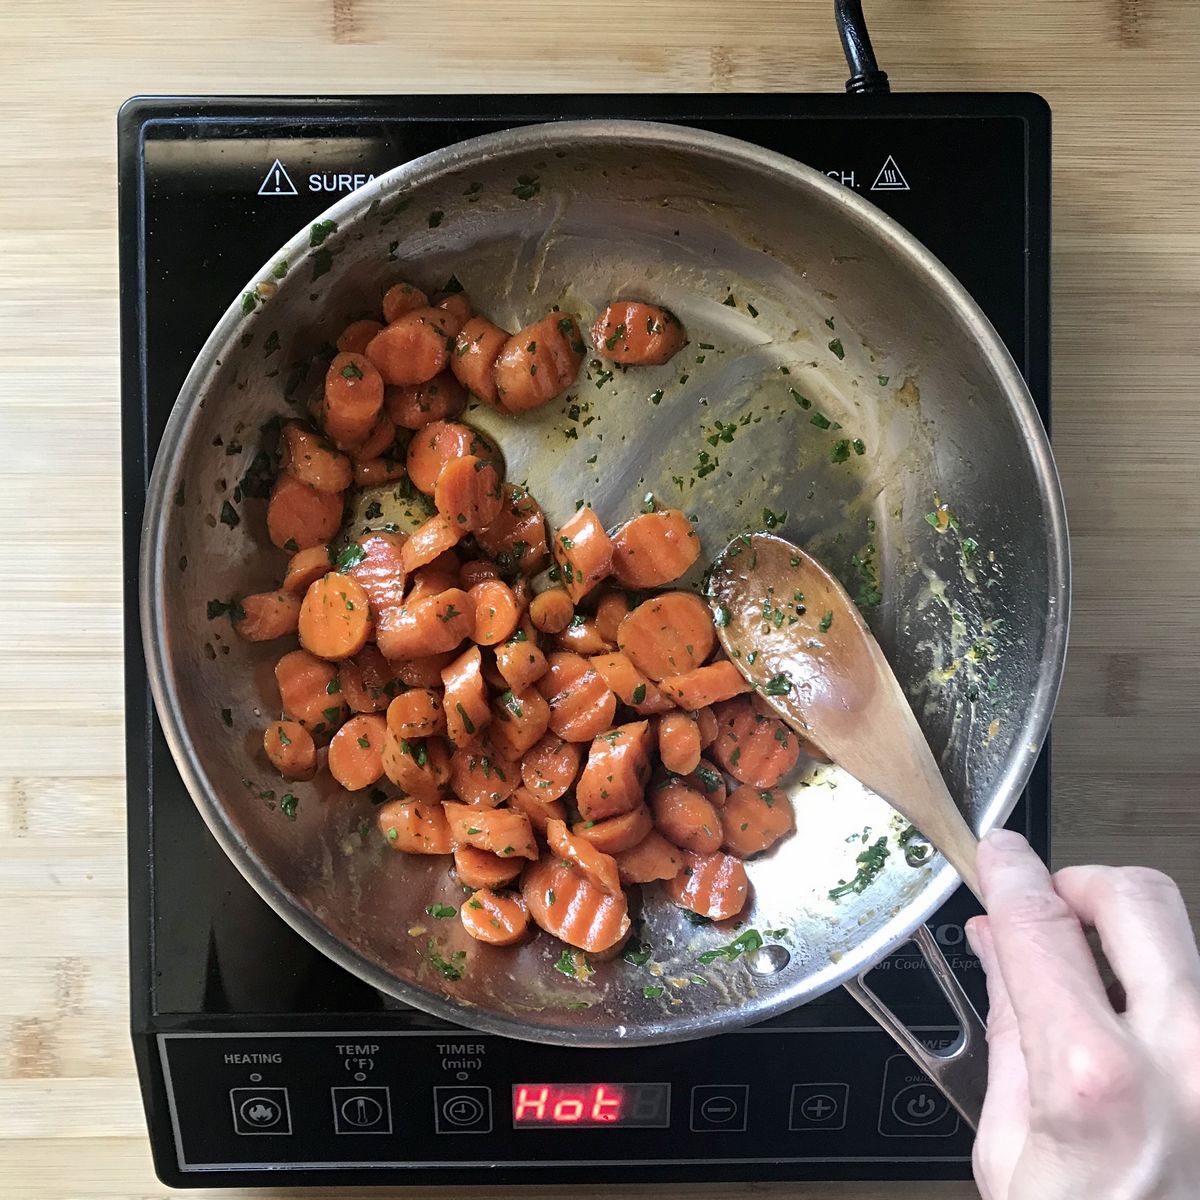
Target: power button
<point>911,1106</point>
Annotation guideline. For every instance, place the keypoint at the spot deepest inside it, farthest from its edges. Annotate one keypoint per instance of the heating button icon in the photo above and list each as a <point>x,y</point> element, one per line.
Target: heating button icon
<point>261,1110</point>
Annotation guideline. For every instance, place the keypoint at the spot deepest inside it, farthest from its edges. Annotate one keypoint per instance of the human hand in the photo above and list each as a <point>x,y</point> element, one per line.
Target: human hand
<point>1083,1102</point>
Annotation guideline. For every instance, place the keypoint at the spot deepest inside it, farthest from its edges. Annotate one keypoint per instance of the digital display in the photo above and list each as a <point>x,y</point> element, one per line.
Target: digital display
<point>591,1105</point>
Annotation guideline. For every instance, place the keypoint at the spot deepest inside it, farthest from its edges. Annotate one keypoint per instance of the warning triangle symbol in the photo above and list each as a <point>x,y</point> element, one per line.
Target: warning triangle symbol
<point>277,182</point>
<point>890,178</point>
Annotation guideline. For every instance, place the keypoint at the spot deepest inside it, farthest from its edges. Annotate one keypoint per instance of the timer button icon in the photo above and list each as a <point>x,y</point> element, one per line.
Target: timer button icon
<point>462,1109</point>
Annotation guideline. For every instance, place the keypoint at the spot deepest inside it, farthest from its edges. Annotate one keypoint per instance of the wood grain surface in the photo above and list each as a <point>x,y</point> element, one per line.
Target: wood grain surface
<point>1120,76</point>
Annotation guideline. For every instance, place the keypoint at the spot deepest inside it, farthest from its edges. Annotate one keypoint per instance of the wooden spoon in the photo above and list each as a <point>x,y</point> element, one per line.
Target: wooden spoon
<point>797,636</point>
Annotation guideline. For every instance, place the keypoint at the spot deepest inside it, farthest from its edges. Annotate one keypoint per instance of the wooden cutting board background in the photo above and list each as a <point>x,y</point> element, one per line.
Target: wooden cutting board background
<point>1121,76</point>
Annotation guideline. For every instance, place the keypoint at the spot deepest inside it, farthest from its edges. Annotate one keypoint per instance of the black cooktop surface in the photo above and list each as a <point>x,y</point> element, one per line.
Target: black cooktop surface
<point>257,1055</point>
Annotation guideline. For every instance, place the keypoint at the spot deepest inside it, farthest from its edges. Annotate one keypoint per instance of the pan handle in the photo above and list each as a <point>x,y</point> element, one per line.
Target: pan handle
<point>960,1071</point>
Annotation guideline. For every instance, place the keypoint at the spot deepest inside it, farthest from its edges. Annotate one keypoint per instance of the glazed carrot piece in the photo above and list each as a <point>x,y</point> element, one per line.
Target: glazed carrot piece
<point>581,704</point>
<point>368,681</point>
<point>612,607</point>
<point>428,540</point>
<point>520,660</point>
<point>516,539</point>
<point>520,719</point>
<point>298,516</point>
<point>308,457</point>
<point>418,768</point>
<point>467,492</point>
<point>551,766</point>
<point>356,752</point>
<point>653,858</point>
<point>417,713</point>
<point>614,778</point>
<point>654,549</point>
<point>629,684</point>
<point>710,885</point>
<point>678,743</point>
<point>380,570</point>
<point>424,672</point>
<point>335,617</point>
<point>458,306</point>
<point>551,611</point>
<point>353,399</point>
<point>539,812</point>
<point>419,628</point>
<point>617,834</point>
<point>305,567</point>
<point>638,334</point>
<point>291,750</point>
<point>705,686</point>
<point>481,869</point>
<point>497,830</point>
<point>423,403</point>
<point>439,442</point>
<point>415,826</point>
<point>496,612</point>
<point>411,349</point>
<point>595,865</point>
<point>473,359</point>
<point>356,335</point>
<point>754,749</point>
<point>572,908</point>
<point>476,570</point>
<point>267,615</point>
<point>709,782</point>
<point>685,818</point>
<point>402,298</point>
<point>582,637</point>
<point>430,581</point>
<point>481,778</point>
<point>754,819</point>
<point>668,635</point>
<point>466,699</point>
<point>706,719</point>
<point>375,472</point>
<point>583,552</point>
<point>538,363</point>
<point>496,920</point>
<point>309,690</point>
<point>377,442</point>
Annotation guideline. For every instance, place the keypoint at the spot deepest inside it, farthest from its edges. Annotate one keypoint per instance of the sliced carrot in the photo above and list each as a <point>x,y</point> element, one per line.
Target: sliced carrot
<point>496,612</point>
<point>335,617</point>
<point>617,834</point>
<point>430,581</point>
<point>709,782</point>
<point>309,690</point>
<point>473,359</point>
<point>754,819</point>
<point>710,885</point>
<point>353,399</point>
<point>595,865</point>
<point>705,686</point>
<point>653,858</point>
<point>440,441</point>
<point>467,491</point>
<point>538,363</point>
<point>520,660</point>
<point>654,549</point>
<point>754,749</point>
<point>539,812</point>
<point>411,349</point>
<point>298,516</point>
<point>516,539</point>
<point>311,459</point>
<point>581,704</point>
<point>267,615</point>
<point>482,869</point>
<point>414,407</point>
<point>629,684</point>
<point>668,635</point>
<point>380,570</point>
<point>550,767</point>
<point>378,443</point>
<point>291,750</point>
<point>615,775</point>
<point>402,298</point>
<point>476,570</point>
<point>706,719</point>
<point>494,919</point>
<point>415,826</point>
<point>583,552</point>
<point>424,672</point>
<point>685,818</point>
<point>356,752</point>
<point>612,607</point>
<point>417,713</point>
<point>458,306</point>
<point>582,637</point>
<point>638,334</point>
<point>428,540</point>
<point>418,768</point>
<point>551,611</point>
<point>368,681</point>
<point>520,719</point>
<point>466,699</point>
<point>483,779</point>
<point>375,472</point>
<point>678,743</point>
<point>498,830</point>
<point>419,628</point>
<point>354,338</point>
<point>304,567</point>
<point>572,908</point>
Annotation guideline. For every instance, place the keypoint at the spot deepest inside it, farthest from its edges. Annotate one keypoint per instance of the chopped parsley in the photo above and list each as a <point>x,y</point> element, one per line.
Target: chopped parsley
<point>870,862</point>
<point>441,911</point>
<point>826,621</point>
<point>351,556</point>
<point>567,965</point>
<point>639,693</point>
<point>743,944</point>
<point>287,805</point>
<point>452,970</point>
<point>777,685</point>
<point>652,992</point>
<point>320,231</point>
<point>637,955</point>
<point>839,452</point>
<point>838,349</point>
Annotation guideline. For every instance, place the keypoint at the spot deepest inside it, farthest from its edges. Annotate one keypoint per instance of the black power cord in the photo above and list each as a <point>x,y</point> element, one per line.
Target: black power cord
<point>866,77</point>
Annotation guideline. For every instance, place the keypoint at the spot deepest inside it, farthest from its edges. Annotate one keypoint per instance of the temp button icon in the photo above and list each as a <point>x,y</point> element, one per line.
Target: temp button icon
<point>361,1110</point>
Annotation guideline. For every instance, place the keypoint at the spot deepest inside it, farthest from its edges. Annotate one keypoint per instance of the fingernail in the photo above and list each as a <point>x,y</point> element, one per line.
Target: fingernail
<point>972,936</point>
<point>1004,839</point>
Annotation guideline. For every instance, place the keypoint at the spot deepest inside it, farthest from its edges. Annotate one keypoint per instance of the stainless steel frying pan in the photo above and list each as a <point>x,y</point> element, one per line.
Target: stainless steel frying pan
<point>817,325</point>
